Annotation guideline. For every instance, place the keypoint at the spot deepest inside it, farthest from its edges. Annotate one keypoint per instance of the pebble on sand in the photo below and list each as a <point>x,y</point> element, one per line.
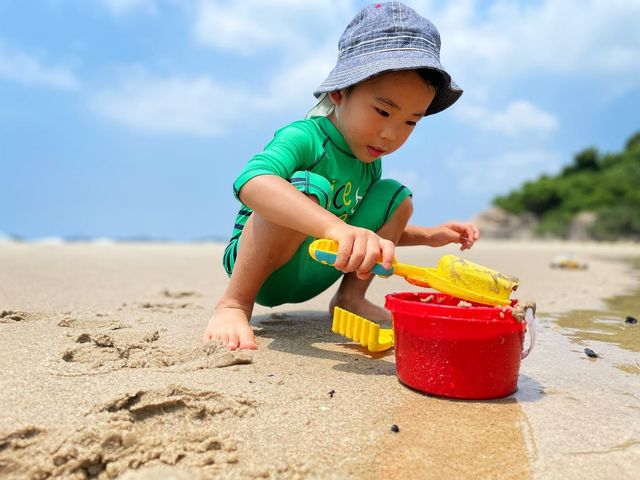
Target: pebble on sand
<point>590,353</point>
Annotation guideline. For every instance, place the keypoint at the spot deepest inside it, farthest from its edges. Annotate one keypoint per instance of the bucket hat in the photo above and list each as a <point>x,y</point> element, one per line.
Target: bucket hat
<point>385,37</point>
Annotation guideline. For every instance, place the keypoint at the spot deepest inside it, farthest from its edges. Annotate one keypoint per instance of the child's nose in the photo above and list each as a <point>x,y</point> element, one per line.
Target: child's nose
<point>388,134</point>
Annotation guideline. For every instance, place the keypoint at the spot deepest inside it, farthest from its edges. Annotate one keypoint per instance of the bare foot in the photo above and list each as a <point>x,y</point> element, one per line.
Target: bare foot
<point>359,306</point>
<point>231,326</point>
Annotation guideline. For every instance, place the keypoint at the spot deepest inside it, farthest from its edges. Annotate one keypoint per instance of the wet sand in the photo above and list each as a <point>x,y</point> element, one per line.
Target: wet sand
<point>103,375</point>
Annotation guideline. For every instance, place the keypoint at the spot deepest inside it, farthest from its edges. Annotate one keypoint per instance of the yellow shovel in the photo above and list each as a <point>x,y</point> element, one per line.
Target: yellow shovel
<point>453,275</point>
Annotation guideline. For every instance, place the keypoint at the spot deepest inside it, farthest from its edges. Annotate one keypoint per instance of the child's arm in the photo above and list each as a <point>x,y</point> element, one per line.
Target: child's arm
<point>466,234</point>
<point>281,203</point>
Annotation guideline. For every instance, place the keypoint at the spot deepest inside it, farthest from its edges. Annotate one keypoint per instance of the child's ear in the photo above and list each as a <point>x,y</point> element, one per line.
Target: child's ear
<point>336,97</point>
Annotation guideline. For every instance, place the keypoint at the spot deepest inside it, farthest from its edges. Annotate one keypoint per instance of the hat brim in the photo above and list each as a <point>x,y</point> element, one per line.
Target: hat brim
<point>356,70</point>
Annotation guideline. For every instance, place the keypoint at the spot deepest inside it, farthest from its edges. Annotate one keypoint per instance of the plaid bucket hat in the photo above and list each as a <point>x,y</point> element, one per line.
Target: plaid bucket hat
<point>385,37</point>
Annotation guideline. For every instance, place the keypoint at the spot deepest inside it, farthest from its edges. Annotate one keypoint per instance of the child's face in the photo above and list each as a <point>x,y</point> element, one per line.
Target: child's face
<point>378,115</point>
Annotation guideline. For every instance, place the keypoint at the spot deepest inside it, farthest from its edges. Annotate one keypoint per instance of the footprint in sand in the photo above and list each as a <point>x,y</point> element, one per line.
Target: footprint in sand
<point>97,353</point>
<point>178,294</point>
<point>11,316</point>
<point>13,445</point>
<point>162,307</point>
<point>99,322</point>
<point>175,426</point>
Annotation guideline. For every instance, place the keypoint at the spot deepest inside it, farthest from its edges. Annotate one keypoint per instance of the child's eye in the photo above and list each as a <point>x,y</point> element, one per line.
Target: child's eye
<point>381,112</point>
<point>413,124</point>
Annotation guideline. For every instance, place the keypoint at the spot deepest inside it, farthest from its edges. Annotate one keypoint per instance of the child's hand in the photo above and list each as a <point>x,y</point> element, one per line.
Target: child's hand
<point>360,249</point>
<point>465,234</point>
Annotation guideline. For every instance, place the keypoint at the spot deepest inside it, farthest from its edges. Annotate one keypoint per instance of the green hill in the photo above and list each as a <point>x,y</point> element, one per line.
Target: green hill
<point>607,184</point>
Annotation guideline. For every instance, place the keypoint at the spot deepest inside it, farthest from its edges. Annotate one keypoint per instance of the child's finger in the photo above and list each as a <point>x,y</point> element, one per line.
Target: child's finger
<point>464,241</point>
<point>467,232</point>
<point>364,276</point>
<point>371,256</point>
<point>345,245</point>
<point>471,233</point>
<point>357,254</point>
<point>473,236</point>
<point>388,252</point>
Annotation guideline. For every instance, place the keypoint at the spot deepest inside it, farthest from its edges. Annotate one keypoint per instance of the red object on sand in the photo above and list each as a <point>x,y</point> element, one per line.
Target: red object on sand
<point>467,352</point>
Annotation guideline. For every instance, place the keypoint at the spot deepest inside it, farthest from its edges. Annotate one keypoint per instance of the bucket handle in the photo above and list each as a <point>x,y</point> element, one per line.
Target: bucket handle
<point>530,319</point>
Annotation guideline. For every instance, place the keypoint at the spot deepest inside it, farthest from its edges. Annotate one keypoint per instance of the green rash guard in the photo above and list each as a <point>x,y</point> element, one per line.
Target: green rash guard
<point>313,145</point>
<point>315,158</point>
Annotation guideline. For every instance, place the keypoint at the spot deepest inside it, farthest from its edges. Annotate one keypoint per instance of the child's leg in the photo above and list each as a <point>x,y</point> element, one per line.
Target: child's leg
<point>388,204</point>
<point>264,248</point>
<point>256,272</point>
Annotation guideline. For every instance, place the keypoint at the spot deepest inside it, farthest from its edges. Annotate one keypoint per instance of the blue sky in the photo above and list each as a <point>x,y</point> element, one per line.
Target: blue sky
<point>127,118</point>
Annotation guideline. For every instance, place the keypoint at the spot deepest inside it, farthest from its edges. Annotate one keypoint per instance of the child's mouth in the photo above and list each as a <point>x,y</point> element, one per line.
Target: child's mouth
<point>374,152</point>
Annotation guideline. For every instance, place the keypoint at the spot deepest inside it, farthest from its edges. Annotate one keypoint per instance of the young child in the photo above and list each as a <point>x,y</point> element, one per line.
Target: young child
<point>321,178</point>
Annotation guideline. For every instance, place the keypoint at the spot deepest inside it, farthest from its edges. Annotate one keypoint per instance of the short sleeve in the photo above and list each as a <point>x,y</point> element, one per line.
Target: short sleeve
<point>291,148</point>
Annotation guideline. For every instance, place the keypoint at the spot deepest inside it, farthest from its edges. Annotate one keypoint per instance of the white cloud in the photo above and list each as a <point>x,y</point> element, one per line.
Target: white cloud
<point>29,70</point>
<point>499,43</point>
<point>483,44</point>
<point>520,117</point>
<point>250,26</point>
<point>292,88</point>
<point>196,105</point>
<point>502,172</point>
<point>123,7</point>
<point>201,105</point>
<point>506,38</point>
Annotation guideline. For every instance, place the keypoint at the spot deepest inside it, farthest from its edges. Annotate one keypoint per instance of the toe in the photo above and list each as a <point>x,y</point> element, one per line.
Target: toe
<point>247,341</point>
<point>232,344</point>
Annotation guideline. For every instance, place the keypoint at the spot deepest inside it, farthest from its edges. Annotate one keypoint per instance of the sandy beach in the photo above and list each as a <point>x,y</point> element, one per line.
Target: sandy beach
<point>103,375</point>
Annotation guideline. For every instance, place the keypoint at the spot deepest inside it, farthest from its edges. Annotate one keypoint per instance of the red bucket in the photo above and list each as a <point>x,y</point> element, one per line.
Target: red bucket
<point>470,352</point>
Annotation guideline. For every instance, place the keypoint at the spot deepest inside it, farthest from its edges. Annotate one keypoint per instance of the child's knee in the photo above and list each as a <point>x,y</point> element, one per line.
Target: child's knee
<point>405,209</point>
<point>312,185</point>
<point>394,195</point>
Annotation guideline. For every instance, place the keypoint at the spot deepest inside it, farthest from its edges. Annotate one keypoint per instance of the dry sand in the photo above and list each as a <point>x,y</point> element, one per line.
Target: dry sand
<point>103,375</point>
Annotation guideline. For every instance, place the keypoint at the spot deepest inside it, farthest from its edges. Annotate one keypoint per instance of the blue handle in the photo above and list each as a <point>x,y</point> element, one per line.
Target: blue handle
<point>330,258</point>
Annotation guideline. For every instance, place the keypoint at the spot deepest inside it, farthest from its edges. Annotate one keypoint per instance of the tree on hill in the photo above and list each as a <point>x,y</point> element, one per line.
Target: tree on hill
<point>606,184</point>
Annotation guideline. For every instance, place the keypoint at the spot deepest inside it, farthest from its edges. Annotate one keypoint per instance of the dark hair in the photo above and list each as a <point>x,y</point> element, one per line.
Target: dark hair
<point>431,77</point>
